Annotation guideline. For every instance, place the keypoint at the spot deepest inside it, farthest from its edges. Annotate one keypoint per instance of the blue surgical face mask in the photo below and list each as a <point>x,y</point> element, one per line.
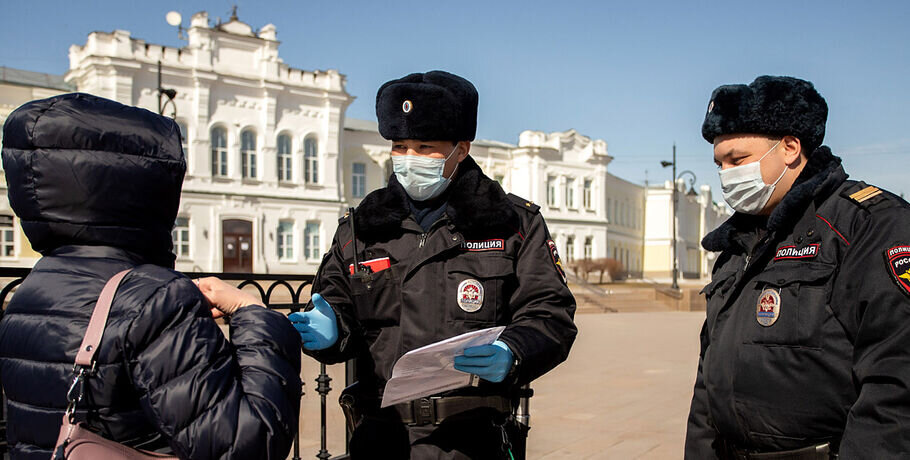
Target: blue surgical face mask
<point>422,176</point>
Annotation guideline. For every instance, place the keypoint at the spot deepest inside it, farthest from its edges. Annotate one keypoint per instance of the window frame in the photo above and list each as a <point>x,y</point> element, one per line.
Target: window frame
<point>570,193</point>
<point>220,153</point>
<point>311,241</point>
<point>184,131</point>
<point>7,228</point>
<point>552,188</point>
<point>284,240</point>
<point>311,160</point>
<point>248,157</point>
<point>587,194</point>
<point>358,187</point>
<point>179,243</point>
<point>284,159</point>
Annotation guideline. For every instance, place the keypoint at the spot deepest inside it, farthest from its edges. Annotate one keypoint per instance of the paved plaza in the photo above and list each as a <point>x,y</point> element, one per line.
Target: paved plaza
<point>623,393</point>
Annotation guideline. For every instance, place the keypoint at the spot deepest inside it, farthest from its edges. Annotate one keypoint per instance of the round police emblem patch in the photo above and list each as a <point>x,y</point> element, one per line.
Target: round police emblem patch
<point>470,295</point>
<point>767,310</point>
<point>406,106</point>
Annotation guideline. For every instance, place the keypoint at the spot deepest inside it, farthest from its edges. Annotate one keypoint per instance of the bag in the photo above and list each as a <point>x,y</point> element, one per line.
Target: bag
<point>75,442</point>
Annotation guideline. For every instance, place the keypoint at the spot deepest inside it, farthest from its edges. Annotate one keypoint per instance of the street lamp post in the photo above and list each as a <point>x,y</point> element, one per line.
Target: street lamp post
<point>675,198</point>
<point>169,92</point>
<point>173,18</point>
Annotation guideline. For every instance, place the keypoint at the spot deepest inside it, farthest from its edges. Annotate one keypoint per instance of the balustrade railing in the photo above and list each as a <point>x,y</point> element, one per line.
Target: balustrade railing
<point>277,292</point>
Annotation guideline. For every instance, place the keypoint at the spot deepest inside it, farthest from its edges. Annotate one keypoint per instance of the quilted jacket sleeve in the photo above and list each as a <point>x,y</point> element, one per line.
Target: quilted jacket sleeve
<point>215,398</point>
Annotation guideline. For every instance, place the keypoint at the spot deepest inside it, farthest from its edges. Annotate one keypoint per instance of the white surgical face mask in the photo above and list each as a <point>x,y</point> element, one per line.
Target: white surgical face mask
<point>422,176</point>
<point>743,187</point>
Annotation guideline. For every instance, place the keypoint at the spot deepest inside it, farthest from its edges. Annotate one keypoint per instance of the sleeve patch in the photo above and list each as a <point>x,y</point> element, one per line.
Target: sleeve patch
<point>898,260</point>
<point>554,255</point>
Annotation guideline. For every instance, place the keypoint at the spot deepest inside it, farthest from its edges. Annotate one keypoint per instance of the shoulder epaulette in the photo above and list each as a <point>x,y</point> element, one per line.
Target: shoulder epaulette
<point>865,195</point>
<point>524,204</point>
<point>343,218</point>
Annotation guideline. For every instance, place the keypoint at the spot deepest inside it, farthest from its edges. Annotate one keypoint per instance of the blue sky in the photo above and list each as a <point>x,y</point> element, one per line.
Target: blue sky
<point>636,74</point>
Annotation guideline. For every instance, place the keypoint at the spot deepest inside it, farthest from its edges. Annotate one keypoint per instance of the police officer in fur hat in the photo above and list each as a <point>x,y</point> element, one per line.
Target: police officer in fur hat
<point>442,250</point>
<point>805,353</point>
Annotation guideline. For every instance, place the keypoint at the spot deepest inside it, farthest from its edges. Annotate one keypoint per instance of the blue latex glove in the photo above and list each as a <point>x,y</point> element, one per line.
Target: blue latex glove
<point>317,327</point>
<point>489,362</point>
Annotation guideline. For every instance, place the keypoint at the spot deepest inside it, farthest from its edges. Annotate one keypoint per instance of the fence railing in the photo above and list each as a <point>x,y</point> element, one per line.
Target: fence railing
<point>277,291</point>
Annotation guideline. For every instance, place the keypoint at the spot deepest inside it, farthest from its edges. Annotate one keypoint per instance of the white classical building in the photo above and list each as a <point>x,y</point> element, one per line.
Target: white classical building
<point>263,141</point>
<point>272,161</point>
<point>563,172</point>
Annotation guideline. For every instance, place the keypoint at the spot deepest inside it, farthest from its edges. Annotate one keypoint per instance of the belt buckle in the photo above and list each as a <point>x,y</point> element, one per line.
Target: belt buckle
<point>424,411</point>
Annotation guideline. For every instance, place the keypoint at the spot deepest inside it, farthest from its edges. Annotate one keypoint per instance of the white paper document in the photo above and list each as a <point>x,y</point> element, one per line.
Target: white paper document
<point>431,369</point>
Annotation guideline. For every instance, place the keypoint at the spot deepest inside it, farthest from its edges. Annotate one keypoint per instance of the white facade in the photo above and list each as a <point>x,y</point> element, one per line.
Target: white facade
<point>565,173</point>
<point>625,210</point>
<point>364,146</point>
<point>575,164</point>
<point>263,141</point>
<point>697,216</point>
<point>272,162</point>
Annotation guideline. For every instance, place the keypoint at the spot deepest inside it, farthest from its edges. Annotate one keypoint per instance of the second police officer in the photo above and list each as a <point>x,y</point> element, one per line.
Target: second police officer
<point>805,353</point>
<point>449,252</point>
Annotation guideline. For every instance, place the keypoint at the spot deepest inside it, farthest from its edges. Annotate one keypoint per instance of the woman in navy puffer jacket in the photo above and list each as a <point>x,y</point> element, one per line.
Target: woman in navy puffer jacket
<point>96,185</point>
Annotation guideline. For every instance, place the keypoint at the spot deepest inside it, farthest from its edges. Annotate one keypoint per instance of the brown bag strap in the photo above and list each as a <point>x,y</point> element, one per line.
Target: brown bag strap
<point>89,347</point>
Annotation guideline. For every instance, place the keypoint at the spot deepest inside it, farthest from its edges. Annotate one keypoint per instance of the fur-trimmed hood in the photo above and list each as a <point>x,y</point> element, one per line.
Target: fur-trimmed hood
<point>821,176</point>
<point>475,203</point>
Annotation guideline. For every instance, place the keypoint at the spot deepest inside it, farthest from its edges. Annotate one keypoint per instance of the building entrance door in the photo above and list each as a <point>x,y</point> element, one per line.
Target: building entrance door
<point>237,246</point>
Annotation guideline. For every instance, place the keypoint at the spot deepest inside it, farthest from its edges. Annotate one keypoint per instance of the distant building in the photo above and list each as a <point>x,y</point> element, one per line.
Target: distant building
<point>565,173</point>
<point>16,88</point>
<point>625,210</point>
<point>272,161</point>
<point>698,215</point>
<point>262,140</point>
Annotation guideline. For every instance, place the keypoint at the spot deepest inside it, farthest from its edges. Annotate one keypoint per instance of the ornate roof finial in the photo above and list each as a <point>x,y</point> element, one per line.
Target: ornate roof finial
<point>234,13</point>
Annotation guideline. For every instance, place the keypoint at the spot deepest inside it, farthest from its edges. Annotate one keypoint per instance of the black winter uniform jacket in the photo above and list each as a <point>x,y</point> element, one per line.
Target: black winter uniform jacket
<point>96,186</point>
<point>501,242</point>
<point>834,363</point>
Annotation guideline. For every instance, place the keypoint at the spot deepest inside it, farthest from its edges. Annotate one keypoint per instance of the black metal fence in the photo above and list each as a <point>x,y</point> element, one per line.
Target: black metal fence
<point>270,286</point>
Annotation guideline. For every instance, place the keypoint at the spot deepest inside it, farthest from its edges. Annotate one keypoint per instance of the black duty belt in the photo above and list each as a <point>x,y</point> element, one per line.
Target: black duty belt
<point>819,452</point>
<point>426,411</point>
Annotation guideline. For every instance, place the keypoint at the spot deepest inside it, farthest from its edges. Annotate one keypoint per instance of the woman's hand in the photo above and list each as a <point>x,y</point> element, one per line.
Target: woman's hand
<point>225,299</point>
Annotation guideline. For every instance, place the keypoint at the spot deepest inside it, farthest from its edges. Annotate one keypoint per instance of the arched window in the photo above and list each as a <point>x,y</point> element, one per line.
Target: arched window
<point>219,152</point>
<point>310,161</point>
<point>285,159</point>
<point>248,154</point>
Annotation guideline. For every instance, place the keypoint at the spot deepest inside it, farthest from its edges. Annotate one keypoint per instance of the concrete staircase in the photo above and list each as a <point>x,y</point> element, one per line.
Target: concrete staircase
<point>639,298</point>
<point>631,296</point>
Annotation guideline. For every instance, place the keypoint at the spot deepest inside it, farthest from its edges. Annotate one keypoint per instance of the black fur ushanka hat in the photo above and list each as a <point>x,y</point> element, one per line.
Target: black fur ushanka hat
<point>435,105</point>
<point>776,106</point>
